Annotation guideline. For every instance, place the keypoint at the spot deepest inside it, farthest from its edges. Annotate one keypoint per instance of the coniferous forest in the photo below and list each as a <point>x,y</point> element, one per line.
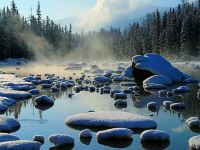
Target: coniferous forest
<point>175,32</point>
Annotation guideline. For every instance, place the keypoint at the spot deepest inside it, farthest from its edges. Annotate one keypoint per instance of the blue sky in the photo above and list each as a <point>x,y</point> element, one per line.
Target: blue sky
<point>91,14</point>
<point>59,9</point>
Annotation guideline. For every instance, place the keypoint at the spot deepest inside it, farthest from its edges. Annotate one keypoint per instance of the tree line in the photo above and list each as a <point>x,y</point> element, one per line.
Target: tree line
<point>173,33</point>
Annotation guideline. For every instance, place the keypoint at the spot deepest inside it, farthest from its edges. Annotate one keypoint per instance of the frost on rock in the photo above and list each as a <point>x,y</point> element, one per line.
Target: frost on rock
<point>115,133</point>
<point>20,145</point>
<point>14,94</point>
<point>7,137</point>
<point>154,135</point>
<point>111,119</point>
<point>194,142</point>
<point>61,139</point>
<point>8,125</point>
<point>158,65</point>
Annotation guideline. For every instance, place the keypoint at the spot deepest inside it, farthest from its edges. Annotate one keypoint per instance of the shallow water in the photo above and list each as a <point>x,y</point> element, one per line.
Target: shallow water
<point>52,121</point>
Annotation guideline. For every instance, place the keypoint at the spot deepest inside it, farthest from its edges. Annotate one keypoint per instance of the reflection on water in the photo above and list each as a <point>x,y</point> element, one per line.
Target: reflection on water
<point>46,121</point>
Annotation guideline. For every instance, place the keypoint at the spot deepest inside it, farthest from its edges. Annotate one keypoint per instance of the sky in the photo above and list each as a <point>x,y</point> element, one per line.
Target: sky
<point>88,13</point>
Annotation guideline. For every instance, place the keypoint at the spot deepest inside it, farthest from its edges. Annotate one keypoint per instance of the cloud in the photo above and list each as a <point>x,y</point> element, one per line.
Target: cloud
<point>105,11</point>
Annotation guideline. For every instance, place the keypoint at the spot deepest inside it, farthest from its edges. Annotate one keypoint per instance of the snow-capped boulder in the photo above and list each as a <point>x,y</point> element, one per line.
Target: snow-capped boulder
<point>7,137</point>
<point>61,139</point>
<point>20,145</point>
<point>120,95</point>
<point>181,89</point>
<point>193,122</point>
<point>38,138</point>
<point>154,135</point>
<point>14,94</point>
<point>44,100</point>
<point>34,91</point>
<point>111,119</point>
<point>119,78</point>
<point>8,125</point>
<point>128,84</point>
<point>154,86</point>
<point>194,142</point>
<point>102,79</point>
<point>158,65</point>
<point>120,104</point>
<point>115,133</point>
<point>87,133</point>
<point>152,105</point>
<point>176,106</point>
<point>158,79</point>
<point>167,103</point>
<point>46,86</point>
<point>112,92</point>
<point>128,72</point>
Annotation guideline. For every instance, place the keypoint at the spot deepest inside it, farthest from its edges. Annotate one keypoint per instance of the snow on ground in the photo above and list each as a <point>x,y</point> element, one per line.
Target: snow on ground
<point>7,137</point>
<point>20,145</point>
<point>194,142</point>
<point>154,135</point>
<point>158,66</point>
<point>120,133</point>
<point>8,124</point>
<point>111,119</point>
<point>61,139</point>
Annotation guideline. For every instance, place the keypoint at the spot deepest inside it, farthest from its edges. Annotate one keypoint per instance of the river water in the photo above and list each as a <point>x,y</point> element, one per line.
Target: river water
<point>52,121</point>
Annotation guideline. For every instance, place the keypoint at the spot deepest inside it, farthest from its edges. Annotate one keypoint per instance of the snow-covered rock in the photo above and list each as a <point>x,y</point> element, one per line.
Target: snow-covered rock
<point>111,119</point>
<point>193,122</point>
<point>44,100</point>
<point>20,145</point>
<point>87,133</point>
<point>158,65</point>
<point>177,106</point>
<point>102,79</point>
<point>154,86</point>
<point>34,91</point>
<point>128,84</point>
<point>128,72</point>
<point>152,105</point>
<point>61,139</point>
<point>112,92</point>
<point>119,78</point>
<point>7,137</point>
<point>120,95</point>
<point>167,103</point>
<point>158,79</point>
<point>194,142</point>
<point>38,138</point>
<point>46,86</point>
<point>115,133</point>
<point>181,89</point>
<point>120,103</point>
<point>154,135</point>
<point>8,125</point>
<point>14,94</point>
